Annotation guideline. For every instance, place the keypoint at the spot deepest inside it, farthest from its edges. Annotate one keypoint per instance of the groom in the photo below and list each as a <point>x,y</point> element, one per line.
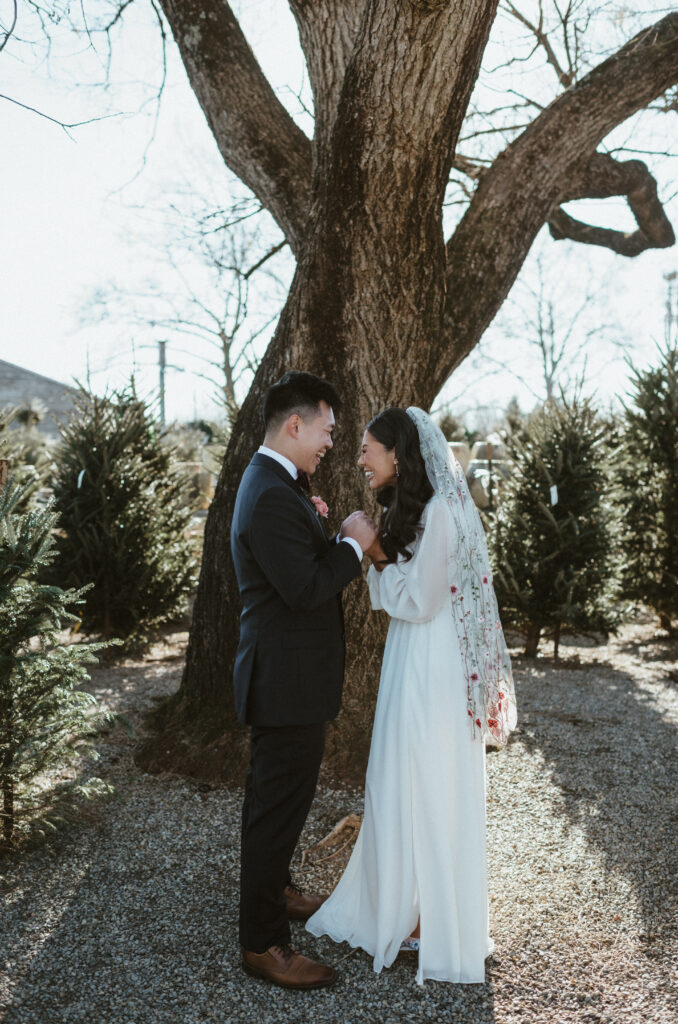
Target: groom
<point>289,667</point>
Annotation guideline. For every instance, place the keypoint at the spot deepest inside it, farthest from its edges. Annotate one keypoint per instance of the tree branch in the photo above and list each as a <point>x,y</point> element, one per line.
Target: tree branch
<point>328,32</point>
<point>8,32</point>
<point>63,124</point>
<point>604,177</point>
<point>535,174</point>
<point>564,77</point>
<point>256,136</point>
<point>267,256</point>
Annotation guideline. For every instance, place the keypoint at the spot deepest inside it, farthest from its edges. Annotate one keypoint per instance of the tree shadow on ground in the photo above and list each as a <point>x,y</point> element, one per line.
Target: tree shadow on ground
<point>130,936</point>
<point>650,649</point>
<point>111,922</point>
<point>612,753</point>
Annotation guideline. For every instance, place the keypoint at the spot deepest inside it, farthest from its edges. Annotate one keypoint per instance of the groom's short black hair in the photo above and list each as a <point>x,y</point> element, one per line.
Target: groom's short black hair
<point>298,392</point>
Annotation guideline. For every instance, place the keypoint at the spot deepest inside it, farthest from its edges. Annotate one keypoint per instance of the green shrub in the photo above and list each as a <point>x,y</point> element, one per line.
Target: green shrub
<point>44,715</point>
<point>552,538</point>
<point>123,512</point>
<point>647,476</point>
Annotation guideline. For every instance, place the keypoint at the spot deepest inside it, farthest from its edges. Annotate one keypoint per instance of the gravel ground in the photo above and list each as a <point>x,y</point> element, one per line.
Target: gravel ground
<point>131,916</point>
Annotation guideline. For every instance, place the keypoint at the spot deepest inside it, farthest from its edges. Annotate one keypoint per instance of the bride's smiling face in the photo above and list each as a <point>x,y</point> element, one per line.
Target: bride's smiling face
<point>377,462</point>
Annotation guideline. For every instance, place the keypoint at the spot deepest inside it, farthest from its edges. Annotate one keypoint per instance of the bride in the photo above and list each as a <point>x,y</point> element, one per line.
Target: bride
<point>417,877</point>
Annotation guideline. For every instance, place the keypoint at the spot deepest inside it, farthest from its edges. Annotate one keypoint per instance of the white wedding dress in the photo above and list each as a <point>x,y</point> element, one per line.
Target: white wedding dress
<point>421,849</point>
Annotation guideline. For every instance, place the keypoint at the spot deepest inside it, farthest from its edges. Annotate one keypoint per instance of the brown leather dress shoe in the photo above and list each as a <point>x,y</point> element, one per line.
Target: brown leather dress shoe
<point>283,966</point>
<point>300,905</point>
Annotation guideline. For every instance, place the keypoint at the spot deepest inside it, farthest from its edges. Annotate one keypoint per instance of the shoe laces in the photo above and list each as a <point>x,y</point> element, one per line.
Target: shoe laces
<point>286,951</point>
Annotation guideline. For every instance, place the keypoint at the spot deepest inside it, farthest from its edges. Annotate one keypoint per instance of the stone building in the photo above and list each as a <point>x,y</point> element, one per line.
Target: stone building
<point>26,390</point>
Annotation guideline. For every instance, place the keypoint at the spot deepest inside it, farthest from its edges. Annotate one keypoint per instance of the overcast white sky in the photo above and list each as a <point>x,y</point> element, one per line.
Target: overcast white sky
<point>72,225</point>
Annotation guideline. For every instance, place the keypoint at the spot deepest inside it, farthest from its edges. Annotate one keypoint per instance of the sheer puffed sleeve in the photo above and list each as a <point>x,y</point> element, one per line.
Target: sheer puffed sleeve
<point>415,590</point>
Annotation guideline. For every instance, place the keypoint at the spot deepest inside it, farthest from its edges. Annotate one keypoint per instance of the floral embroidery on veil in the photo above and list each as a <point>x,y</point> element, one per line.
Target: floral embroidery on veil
<point>490,693</point>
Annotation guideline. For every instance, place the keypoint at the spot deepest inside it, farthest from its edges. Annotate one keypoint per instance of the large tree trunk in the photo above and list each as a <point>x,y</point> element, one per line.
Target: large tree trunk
<point>379,304</point>
<point>367,297</point>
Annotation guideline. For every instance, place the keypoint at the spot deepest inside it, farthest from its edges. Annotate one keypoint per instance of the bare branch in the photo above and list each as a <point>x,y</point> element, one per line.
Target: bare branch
<point>264,259</point>
<point>11,28</point>
<point>532,177</point>
<point>117,16</point>
<point>62,124</point>
<point>257,137</point>
<point>561,226</point>
<point>603,177</point>
<point>564,77</point>
<point>157,98</point>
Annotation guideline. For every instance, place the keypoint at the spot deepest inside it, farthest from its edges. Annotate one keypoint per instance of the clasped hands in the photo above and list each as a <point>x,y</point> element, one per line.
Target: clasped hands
<point>360,527</point>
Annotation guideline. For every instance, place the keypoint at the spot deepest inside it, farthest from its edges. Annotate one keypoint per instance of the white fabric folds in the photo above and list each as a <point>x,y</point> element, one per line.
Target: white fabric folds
<point>421,849</point>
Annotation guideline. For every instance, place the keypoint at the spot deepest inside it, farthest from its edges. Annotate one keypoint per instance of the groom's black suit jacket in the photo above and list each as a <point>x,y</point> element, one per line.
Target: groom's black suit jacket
<point>289,668</point>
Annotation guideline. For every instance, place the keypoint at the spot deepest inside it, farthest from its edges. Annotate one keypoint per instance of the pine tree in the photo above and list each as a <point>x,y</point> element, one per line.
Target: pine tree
<point>452,428</point>
<point>647,475</point>
<point>122,516</point>
<point>44,715</point>
<point>552,538</point>
<point>513,418</point>
<point>27,451</point>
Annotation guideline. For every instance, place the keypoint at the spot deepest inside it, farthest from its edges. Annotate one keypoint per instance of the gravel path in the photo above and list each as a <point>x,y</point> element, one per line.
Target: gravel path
<point>130,917</point>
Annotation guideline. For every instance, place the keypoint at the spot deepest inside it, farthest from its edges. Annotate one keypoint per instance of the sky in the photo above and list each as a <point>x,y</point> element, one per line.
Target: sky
<point>81,216</point>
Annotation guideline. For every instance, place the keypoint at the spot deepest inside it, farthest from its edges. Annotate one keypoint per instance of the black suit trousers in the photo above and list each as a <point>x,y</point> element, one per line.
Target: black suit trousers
<point>279,790</point>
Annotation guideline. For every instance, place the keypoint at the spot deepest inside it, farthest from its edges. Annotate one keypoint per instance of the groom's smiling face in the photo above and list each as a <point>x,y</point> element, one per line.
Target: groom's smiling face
<point>312,438</point>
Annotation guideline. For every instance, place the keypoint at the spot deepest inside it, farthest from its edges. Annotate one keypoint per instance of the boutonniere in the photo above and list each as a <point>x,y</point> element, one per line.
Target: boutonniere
<point>320,506</point>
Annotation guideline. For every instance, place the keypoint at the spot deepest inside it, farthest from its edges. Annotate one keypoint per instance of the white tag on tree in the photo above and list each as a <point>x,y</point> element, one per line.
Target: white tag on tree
<point>554,495</point>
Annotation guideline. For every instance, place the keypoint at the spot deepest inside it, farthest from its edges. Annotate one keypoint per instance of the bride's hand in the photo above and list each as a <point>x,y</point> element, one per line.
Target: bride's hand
<point>377,554</point>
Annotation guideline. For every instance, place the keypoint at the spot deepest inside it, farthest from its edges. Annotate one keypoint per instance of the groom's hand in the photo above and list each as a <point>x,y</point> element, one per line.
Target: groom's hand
<point>359,527</point>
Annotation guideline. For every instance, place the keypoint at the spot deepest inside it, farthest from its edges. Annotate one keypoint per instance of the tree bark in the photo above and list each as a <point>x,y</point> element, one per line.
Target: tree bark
<point>665,622</point>
<point>7,807</point>
<point>532,641</point>
<point>379,304</point>
<point>553,161</point>
<point>367,296</point>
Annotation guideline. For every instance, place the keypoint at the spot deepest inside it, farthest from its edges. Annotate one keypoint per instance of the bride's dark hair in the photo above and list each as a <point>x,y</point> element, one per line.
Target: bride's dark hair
<point>404,502</point>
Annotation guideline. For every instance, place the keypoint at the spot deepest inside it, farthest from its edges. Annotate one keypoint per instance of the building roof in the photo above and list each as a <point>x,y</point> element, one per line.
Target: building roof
<point>22,387</point>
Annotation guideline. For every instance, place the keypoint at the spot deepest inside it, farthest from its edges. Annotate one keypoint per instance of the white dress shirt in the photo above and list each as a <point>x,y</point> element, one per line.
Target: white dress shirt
<point>294,472</point>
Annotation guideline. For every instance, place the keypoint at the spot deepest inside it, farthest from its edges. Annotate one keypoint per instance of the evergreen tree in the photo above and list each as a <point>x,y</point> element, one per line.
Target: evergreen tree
<point>44,716</point>
<point>647,475</point>
<point>452,428</point>
<point>513,418</point>
<point>552,537</point>
<point>122,516</point>
<point>27,451</point>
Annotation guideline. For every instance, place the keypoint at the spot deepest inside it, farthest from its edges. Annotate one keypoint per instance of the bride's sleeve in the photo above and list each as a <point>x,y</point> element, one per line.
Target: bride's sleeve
<point>415,590</point>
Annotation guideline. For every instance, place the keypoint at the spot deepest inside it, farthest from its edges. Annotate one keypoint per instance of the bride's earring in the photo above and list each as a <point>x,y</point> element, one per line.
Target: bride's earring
<point>395,463</point>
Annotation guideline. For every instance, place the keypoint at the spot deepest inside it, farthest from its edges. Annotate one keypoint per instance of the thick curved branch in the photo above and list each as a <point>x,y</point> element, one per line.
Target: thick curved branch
<point>603,177</point>
<point>544,167</point>
<point>257,137</point>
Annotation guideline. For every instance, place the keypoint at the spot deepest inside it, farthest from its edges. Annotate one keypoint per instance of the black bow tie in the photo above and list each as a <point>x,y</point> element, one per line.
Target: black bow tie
<point>303,481</point>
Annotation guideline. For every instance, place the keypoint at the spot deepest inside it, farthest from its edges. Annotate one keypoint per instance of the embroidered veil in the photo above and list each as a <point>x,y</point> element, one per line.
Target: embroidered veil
<point>491,701</point>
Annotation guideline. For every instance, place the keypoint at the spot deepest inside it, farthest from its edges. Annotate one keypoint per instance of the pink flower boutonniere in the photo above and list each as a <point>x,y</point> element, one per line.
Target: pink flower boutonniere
<point>320,506</point>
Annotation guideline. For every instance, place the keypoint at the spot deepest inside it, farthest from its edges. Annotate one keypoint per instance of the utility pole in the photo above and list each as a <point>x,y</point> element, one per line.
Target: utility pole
<point>162,362</point>
<point>671,317</point>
